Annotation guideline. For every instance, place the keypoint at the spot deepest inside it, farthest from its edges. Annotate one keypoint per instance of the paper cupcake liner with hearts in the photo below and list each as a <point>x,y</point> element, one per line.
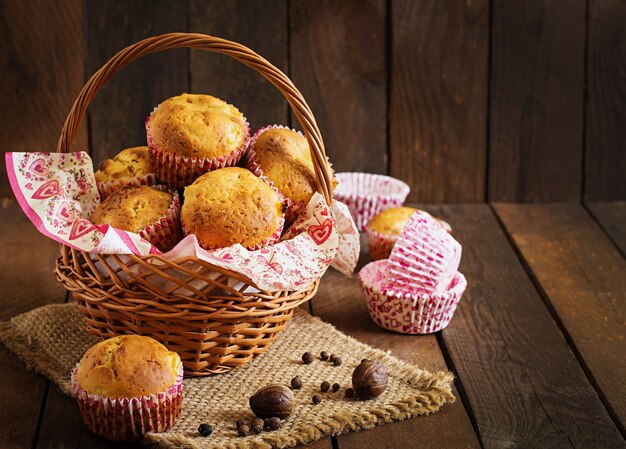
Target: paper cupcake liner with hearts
<point>165,233</point>
<point>180,171</point>
<point>424,258</point>
<point>406,312</point>
<point>108,187</point>
<point>251,162</point>
<point>368,194</point>
<point>128,419</point>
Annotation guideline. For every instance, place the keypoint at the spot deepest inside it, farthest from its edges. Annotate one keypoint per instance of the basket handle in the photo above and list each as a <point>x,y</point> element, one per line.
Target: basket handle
<point>323,172</point>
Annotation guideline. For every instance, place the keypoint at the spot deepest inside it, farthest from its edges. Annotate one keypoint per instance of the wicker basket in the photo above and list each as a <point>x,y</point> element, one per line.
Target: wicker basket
<point>207,314</point>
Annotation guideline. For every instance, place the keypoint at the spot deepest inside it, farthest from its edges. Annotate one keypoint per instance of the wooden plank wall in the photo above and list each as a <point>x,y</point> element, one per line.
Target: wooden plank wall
<point>485,100</point>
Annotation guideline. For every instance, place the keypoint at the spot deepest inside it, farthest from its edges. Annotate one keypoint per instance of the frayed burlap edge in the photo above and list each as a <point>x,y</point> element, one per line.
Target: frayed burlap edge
<point>435,390</point>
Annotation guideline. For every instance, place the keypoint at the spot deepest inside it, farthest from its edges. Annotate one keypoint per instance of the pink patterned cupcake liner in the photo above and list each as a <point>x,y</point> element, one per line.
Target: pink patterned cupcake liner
<point>368,194</point>
<point>405,312</point>
<point>108,187</point>
<point>424,258</point>
<point>180,171</point>
<point>128,419</point>
<point>251,162</point>
<point>165,233</point>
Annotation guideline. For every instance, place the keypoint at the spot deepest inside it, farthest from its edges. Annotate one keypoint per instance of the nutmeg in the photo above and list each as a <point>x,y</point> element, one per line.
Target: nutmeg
<point>369,379</point>
<point>273,400</point>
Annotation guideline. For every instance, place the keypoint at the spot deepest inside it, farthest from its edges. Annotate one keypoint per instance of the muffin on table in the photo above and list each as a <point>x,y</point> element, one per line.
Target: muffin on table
<point>232,205</point>
<point>284,158</point>
<point>148,211</point>
<point>127,386</point>
<point>384,228</point>
<point>192,134</point>
<point>129,168</point>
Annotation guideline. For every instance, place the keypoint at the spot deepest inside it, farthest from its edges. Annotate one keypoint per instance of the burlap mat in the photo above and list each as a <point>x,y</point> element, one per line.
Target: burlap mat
<point>51,340</point>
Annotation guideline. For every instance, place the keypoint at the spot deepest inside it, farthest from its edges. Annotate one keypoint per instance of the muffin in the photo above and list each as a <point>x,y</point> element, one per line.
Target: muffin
<point>232,205</point>
<point>129,168</point>
<point>127,386</point>
<point>151,212</point>
<point>282,156</point>
<point>192,134</point>
<point>384,229</point>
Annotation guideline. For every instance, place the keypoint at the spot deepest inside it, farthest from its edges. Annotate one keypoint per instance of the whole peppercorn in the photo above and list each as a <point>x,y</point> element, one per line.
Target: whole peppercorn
<point>307,358</point>
<point>296,383</point>
<point>336,387</point>
<point>337,361</point>
<point>274,423</point>
<point>332,357</point>
<point>324,387</point>
<point>370,379</point>
<point>324,355</point>
<point>241,422</point>
<point>243,430</point>
<point>349,392</point>
<point>257,425</point>
<point>266,424</point>
<point>316,399</point>
<point>205,430</point>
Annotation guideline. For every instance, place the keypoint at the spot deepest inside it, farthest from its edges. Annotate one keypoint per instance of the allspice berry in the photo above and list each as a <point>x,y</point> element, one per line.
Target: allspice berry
<point>324,355</point>
<point>324,387</point>
<point>316,399</point>
<point>296,383</point>
<point>274,423</point>
<point>370,379</point>
<point>257,425</point>
<point>337,361</point>
<point>273,400</point>
<point>243,430</point>
<point>241,422</point>
<point>349,393</point>
<point>307,358</point>
<point>336,387</point>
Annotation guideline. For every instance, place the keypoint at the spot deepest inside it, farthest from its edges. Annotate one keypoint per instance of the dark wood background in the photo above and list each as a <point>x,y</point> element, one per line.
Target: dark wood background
<point>467,101</point>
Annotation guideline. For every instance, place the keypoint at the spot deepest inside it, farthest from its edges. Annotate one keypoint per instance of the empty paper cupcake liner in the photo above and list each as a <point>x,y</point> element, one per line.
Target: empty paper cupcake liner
<point>108,187</point>
<point>367,194</point>
<point>165,233</point>
<point>128,419</point>
<point>180,171</point>
<point>424,258</point>
<point>405,312</point>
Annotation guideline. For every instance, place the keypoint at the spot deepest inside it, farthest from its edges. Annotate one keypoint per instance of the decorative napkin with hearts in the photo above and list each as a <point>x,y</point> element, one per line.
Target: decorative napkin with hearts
<point>58,193</point>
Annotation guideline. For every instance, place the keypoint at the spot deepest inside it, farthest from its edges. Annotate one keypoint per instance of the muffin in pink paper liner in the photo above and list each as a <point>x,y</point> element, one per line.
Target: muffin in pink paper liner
<point>424,258</point>
<point>367,194</point>
<point>127,386</point>
<point>129,168</point>
<point>281,156</point>
<point>192,134</point>
<point>152,212</point>
<point>383,230</point>
<point>233,206</point>
<point>408,313</point>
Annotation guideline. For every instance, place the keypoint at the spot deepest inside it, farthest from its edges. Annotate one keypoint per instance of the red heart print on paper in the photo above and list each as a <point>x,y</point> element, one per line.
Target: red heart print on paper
<point>65,212</point>
<point>50,188</point>
<point>80,228</point>
<point>320,233</point>
<point>39,166</point>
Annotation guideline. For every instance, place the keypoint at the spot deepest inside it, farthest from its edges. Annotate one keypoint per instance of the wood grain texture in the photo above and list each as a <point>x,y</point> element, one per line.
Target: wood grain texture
<point>438,108</point>
<point>118,114</point>
<point>42,71</point>
<point>584,279</point>
<point>612,217</point>
<point>26,282</point>
<point>605,157</point>
<point>340,301</point>
<point>258,24</point>
<point>521,378</point>
<point>536,100</point>
<point>338,62</point>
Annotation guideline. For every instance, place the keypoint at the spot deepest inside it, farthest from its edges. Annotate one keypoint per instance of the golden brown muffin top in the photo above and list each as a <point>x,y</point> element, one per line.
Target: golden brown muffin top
<point>128,163</point>
<point>132,209</point>
<point>127,366</point>
<point>285,159</point>
<point>391,221</point>
<point>231,205</point>
<point>198,126</point>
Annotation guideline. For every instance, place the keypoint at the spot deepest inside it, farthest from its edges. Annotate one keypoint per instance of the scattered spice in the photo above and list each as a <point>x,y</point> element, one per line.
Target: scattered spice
<point>349,392</point>
<point>296,383</point>
<point>257,425</point>
<point>241,422</point>
<point>324,355</point>
<point>336,387</point>
<point>307,358</point>
<point>316,399</point>
<point>324,387</point>
<point>337,361</point>
<point>205,430</point>
<point>274,423</point>
<point>243,430</point>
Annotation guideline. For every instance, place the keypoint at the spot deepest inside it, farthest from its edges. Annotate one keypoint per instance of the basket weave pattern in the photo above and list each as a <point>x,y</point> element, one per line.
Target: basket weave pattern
<point>216,319</point>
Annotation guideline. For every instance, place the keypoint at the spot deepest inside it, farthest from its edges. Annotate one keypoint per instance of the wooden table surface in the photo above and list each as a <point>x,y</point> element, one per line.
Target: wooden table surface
<point>537,343</point>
